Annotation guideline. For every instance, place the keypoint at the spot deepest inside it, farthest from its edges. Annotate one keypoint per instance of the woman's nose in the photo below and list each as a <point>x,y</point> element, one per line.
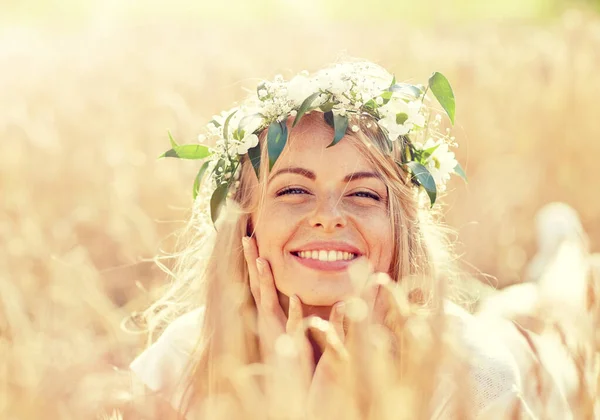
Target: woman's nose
<point>328,214</point>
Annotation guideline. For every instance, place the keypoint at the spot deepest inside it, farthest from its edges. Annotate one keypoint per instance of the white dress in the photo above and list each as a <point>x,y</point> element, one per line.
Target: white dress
<point>499,359</point>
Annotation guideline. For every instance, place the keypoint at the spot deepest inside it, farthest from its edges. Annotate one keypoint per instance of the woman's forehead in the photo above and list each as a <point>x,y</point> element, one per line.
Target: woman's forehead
<point>307,147</point>
<point>313,154</point>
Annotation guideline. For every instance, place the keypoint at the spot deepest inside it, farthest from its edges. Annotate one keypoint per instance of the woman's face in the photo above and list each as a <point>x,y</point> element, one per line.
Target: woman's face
<point>325,209</point>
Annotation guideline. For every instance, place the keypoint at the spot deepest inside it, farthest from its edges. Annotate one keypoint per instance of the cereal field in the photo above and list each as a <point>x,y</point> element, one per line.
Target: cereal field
<point>85,206</point>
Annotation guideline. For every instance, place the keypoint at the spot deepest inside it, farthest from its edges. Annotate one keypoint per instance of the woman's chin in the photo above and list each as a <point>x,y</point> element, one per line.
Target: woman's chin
<point>323,294</point>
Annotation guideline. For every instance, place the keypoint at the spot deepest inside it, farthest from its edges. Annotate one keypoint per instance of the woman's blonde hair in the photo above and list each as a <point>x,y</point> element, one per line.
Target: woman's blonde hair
<point>211,271</point>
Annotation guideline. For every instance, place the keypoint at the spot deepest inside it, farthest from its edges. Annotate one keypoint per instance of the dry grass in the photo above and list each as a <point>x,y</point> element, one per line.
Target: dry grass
<point>85,205</point>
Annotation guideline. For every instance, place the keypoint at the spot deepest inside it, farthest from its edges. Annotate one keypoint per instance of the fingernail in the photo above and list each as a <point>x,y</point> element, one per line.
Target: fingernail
<point>245,242</point>
<point>260,266</point>
<point>339,307</point>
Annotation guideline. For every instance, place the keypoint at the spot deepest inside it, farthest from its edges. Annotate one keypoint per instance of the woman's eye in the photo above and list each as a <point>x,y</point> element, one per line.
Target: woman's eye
<point>293,190</point>
<point>367,194</point>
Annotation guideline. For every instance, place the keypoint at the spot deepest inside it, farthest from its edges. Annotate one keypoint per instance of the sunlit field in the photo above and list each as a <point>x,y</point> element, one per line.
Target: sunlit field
<point>86,206</point>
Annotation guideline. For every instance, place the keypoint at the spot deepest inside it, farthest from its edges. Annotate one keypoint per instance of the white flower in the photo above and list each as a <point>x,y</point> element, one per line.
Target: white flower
<point>355,128</point>
<point>248,142</point>
<point>281,91</point>
<point>393,107</point>
<point>300,88</point>
<point>393,129</point>
<point>321,99</point>
<point>262,93</point>
<point>340,86</point>
<point>415,115</point>
<point>441,163</point>
<point>335,79</point>
<point>379,100</point>
<point>251,122</point>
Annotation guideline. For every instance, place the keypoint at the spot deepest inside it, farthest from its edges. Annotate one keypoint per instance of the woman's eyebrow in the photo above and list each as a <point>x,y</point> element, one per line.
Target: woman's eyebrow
<point>359,175</point>
<point>311,175</point>
<point>295,170</point>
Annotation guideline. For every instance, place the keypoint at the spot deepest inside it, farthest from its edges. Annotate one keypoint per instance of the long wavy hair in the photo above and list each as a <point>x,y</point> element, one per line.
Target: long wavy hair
<point>211,271</point>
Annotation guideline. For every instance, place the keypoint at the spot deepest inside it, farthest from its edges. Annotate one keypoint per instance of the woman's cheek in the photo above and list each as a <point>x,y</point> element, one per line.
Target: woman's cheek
<point>376,228</point>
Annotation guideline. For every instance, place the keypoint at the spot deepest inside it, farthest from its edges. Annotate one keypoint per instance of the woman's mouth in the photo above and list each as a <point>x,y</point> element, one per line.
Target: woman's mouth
<point>325,255</point>
<point>324,259</point>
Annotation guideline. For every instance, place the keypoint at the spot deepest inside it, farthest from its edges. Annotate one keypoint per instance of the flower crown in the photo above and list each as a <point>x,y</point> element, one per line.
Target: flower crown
<point>342,93</point>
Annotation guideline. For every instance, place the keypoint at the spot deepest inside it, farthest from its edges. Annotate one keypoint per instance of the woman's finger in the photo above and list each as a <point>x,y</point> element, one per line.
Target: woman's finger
<point>251,254</point>
<point>369,295</point>
<point>269,301</point>
<point>296,329</point>
<point>381,302</point>
<point>294,322</point>
<point>336,320</point>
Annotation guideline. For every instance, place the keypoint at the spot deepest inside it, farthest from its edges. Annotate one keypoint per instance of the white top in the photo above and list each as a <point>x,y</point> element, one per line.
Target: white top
<point>162,366</point>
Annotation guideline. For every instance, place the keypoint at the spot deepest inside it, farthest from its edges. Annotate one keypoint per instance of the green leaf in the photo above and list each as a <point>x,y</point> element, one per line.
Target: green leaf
<point>276,140</point>
<point>406,89</point>
<point>217,200</point>
<point>215,123</point>
<point>187,151</point>
<point>326,107</point>
<point>254,155</point>
<point>425,179</point>
<point>458,170</point>
<point>370,104</point>
<point>440,86</point>
<point>386,96</point>
<point>198,179</point>
<point>340,125</point>
<point>425,154</point>
<point>407,154</point>
<point>304,107</point>
<point>172,140</point>
<point>261,85</point>
<point>219,167</point>
<point>226,125</point>
<point>239,134</point>
<point>393,81</point>
<point>401,118</point>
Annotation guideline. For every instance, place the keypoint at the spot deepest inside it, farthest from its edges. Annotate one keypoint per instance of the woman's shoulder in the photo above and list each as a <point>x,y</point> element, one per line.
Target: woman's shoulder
<point>492,372</point>
<point>501,357</point>
<point>163,364</point>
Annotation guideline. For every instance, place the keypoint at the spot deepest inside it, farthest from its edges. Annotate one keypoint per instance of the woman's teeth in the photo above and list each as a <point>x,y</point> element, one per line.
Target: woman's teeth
<point>323,255</point>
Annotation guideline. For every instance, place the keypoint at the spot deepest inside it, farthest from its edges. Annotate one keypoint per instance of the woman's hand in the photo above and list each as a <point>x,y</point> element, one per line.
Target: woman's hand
<point>273,324</point>
<point>322,387</point>
<point>283,344</point>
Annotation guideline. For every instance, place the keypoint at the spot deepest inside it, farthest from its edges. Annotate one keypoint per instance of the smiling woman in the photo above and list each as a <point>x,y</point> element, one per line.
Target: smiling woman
<point>298,303</point>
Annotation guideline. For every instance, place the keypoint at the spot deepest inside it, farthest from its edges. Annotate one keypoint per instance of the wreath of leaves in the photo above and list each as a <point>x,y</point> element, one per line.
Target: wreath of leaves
<point>414,160</point>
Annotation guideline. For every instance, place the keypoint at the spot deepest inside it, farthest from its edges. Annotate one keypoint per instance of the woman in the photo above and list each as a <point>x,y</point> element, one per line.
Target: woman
<point>331,180</point>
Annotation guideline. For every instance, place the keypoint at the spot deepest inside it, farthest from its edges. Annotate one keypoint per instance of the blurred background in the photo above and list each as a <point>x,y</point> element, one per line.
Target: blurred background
<point>89,89</point>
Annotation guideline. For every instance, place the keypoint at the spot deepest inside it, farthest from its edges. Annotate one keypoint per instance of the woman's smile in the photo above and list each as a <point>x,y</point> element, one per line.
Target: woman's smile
<point>327,255</point>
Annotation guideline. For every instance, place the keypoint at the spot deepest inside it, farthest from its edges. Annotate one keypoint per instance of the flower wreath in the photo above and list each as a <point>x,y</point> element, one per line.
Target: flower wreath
<point>352,89</point>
